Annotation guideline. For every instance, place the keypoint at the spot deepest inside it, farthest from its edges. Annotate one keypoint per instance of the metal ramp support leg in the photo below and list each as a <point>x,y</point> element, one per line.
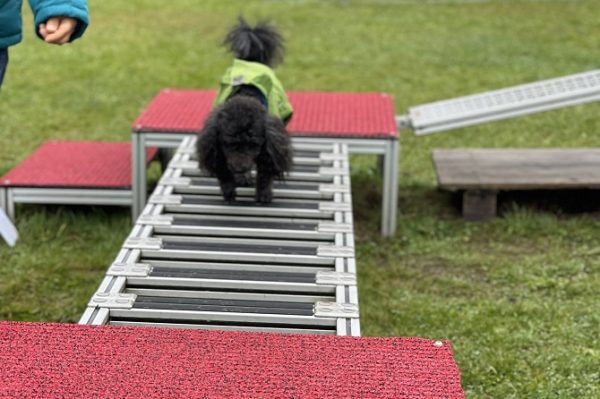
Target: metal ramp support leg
<point>138,171</point>
<point>390,189</point>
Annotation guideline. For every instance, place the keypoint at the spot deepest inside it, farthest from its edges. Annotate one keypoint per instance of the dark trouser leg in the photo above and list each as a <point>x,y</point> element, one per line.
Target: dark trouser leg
<point>3,63</point>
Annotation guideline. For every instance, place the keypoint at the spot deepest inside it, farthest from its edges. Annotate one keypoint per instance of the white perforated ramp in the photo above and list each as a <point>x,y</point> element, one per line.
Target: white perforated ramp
<point>194,261</point>
<point>506,103</point>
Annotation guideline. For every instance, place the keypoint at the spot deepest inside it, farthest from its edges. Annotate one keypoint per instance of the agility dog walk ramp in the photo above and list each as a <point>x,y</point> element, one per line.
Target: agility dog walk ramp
<point>194,261</point>
<point>503,104</point>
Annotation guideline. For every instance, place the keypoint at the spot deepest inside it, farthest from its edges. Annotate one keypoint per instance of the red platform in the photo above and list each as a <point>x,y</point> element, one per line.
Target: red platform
<point>315,113</point>
<point>82,164</point>
<point>66,360</point>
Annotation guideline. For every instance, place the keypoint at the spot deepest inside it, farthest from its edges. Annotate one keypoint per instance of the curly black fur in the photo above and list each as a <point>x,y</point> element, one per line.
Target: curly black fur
<point>240,134</point>
<point>261,43</point>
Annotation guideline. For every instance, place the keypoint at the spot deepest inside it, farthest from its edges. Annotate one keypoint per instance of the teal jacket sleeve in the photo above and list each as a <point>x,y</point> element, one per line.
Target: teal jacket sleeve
<point>45,9</point>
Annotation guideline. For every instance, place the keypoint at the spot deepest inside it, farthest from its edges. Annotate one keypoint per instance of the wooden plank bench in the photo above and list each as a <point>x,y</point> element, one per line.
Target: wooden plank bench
<point>482,173</point>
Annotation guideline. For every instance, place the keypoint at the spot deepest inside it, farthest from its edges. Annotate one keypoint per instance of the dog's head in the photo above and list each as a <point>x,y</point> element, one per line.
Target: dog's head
<point>240,134</point>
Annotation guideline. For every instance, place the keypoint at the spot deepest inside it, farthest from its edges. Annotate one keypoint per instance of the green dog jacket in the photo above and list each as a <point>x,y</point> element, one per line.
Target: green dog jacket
<point>263,78</point>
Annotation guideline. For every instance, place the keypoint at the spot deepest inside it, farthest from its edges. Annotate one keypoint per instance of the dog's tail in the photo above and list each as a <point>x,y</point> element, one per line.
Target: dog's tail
<point>261,43</point>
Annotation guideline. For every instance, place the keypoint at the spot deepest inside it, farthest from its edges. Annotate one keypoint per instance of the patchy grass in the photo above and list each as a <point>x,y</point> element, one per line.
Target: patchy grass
<point>518,296</point>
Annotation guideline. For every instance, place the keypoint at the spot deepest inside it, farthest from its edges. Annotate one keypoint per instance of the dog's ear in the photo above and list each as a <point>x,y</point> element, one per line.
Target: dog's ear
<point>209,150</point>
<point>276,153</point>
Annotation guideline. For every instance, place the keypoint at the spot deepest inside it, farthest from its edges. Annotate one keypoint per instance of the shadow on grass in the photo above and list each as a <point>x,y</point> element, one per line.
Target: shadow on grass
<point>28,210</point>
<point>563,203</point>
<point>558,202</point>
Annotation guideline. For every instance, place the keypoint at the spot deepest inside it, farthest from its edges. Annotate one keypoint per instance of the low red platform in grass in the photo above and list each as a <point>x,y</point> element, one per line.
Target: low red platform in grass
<point>67,360</point>
<point>81,164</point>
<point>315,113</point>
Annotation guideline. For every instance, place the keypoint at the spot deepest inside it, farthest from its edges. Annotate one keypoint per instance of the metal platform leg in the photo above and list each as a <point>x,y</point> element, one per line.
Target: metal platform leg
<point>8,231</point>
<point>3,199</point>
<point>390,188</point>
<point>138,171</point>
<point>7,203</point>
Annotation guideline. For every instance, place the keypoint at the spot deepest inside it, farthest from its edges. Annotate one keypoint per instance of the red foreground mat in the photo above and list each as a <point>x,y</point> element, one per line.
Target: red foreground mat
<point>73,361</point>
<point>84,164</point>
<point>333,114</point>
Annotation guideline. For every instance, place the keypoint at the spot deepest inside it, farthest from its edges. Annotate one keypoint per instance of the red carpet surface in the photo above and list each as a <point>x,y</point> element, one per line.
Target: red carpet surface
<point>85,164</point>
<point>334,114</point>
<point>71,361</point>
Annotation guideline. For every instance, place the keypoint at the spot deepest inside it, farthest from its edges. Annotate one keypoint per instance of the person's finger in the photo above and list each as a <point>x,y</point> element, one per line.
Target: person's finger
<point>42,30</point>
<point>52,24</point>
<point>63,33</point>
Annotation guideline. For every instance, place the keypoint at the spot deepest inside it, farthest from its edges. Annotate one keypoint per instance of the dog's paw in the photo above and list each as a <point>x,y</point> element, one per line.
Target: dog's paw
<point>264,196</point>
<point>228,193</point>
<point>229,197</point>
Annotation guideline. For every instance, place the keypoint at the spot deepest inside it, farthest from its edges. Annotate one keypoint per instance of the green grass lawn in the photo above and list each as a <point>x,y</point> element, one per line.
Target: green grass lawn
<point>518,296</point>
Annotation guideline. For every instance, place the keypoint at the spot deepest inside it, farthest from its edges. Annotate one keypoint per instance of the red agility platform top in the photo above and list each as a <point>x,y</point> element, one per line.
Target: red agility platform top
<point>369,115</point>
<point>69,164</point>
<point>67,360</point>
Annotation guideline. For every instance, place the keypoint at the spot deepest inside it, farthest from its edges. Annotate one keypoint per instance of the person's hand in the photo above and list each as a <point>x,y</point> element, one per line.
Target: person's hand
<point>58,30</point>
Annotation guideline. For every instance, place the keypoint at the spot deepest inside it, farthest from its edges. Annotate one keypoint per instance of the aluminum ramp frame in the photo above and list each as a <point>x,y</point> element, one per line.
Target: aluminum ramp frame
<point>193,261</point>
<point>503,104</point>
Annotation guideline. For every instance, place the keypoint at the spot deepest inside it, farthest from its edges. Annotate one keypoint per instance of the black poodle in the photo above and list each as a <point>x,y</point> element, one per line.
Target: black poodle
<point>247,126</point>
